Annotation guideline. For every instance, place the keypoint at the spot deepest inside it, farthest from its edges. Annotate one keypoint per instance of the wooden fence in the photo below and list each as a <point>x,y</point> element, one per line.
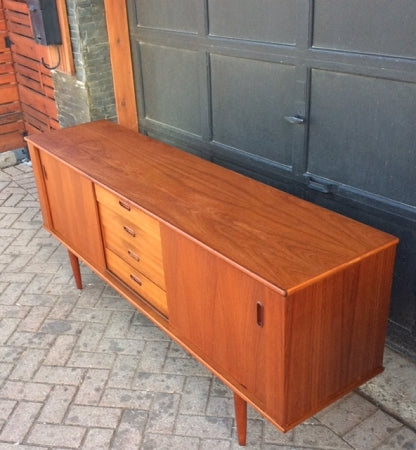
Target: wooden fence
<point>28,97</point>
<point>11,117</point>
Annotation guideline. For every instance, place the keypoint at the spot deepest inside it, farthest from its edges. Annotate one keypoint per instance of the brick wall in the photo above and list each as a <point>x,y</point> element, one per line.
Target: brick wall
<point>88,95</point>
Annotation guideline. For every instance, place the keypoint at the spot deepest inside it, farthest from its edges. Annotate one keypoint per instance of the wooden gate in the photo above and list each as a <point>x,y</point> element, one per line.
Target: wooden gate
<point>31,86</point>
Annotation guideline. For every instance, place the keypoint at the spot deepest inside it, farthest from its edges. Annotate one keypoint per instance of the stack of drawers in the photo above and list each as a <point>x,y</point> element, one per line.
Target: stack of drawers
<point>133,247</point>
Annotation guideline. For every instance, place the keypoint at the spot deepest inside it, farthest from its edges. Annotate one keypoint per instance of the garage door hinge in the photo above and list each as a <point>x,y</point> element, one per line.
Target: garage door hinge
<point>8,42</point>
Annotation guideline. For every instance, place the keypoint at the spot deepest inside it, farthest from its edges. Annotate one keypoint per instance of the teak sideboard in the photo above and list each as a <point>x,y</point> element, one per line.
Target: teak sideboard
<point>286,302</point>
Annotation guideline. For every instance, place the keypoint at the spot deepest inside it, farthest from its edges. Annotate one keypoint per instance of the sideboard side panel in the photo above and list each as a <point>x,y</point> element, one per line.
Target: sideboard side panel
<point>40,185</point>
<point>335,334</point>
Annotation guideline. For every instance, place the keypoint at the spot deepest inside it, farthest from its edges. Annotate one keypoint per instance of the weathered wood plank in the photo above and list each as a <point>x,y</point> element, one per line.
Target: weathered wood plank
<point>11,141</point>
<point>119,40</point>
<point>9,93</point>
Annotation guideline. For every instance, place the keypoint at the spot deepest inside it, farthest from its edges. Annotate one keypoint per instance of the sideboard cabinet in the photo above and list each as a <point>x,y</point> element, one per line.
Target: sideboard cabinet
<point>286,302</point>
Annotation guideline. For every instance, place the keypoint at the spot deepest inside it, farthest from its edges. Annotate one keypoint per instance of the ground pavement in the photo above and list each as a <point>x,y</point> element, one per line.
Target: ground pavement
<point>83,369</point>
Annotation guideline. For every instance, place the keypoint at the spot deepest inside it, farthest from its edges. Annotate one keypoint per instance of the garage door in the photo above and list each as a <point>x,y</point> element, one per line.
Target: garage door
<point>318,94</point>
<point>326,93</point>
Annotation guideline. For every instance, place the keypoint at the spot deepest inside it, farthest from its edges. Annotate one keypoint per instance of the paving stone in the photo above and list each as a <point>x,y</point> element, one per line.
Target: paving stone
<point>129,434</point>
<point>63,308</point>
<point>210,444</point>
<point>153,356</point>
<point>119,324</point>
<point>90,360</point>
<point>98,439</point>
<point>158,382</point>
<point>57,326</point>
<point>59,375</point>
<point>57,404</point>
<point>113,303</point>
<point>13,311</point>
<point>5,369</point>
<point>372,431</point>
<point>310,435</point>
<point>404,438</point>
<point>123,372</point>
<point>37,300</point>
<point>7,327</point>
<point>91,336</point>
<point>90,315</point>
<point>60,351</point>
<point>16,285</point>
<point>222,406</point>
<point>6,408</point>
<point>90,296</point>
<point>31,340</point>
<point>194,398</point>
<point>5,446</point>
<point>186,366</point>
<point>163,442</point>
<point>121,346</point>
<point>202,426</point>
<point>92,387</point>
<point>57,435</point>
<point>163,413</point>
<point>146,332</point>
<point>18,390</point>
<point>39,284</point>
<point>28,364</point>
<point>92,416</point>
<point>346,413</point>
<point>10,354</point>
<point>395,387</point>
<point>20,422</point>
<point>127,398</point>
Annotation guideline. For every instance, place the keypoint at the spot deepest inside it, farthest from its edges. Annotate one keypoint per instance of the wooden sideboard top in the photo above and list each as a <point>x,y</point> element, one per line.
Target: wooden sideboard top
<point>276,236</point>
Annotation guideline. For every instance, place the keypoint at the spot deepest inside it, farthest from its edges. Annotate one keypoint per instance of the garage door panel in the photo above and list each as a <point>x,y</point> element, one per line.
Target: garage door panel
<point>174,15</point>
<point>171,87</point>
<point>371,26</point>
<point>362,133</point>
<point>260,20</point>
<point>249,101</point>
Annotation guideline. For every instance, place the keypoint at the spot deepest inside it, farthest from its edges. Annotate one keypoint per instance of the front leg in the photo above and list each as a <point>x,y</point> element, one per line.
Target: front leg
<point>240,408</point>
<point>75,269</point>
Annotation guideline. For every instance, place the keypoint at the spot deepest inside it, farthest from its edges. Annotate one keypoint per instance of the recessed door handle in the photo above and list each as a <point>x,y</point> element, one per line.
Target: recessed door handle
<point>295,120</point>
<point>260,314</point>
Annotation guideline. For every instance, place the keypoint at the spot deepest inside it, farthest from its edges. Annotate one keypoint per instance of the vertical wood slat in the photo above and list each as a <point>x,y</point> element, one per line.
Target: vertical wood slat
<point>121,62</point>
<point>11,121</point>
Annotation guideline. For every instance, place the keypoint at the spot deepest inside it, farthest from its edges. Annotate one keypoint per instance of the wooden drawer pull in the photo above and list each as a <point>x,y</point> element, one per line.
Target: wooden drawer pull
<point>124,205</point>
<point>128,230</point>
<point>135,279</point>
<point>133,255</point>
<point>260,314</point>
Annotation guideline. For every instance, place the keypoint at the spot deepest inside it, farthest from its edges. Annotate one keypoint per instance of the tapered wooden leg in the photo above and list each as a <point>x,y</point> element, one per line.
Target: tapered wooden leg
<point>75,269</point>
<point>240,408</point>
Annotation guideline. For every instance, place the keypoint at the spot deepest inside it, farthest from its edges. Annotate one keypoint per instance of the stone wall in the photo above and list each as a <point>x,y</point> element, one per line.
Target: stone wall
<point>88,95</point>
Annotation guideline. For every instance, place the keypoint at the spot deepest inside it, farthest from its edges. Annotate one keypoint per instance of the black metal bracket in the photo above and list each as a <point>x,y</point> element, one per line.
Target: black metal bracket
<point>8,42</point>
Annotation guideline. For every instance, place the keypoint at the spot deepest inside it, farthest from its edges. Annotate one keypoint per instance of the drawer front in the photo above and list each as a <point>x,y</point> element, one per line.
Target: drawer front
<point>131,243</point>
<point>147,224</point>
<point>137,281</point>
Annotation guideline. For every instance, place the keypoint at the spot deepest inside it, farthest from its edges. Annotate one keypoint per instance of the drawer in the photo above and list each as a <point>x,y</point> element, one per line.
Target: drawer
<point>138,282</point>
<point>139,249</point>
<point>125,209</point>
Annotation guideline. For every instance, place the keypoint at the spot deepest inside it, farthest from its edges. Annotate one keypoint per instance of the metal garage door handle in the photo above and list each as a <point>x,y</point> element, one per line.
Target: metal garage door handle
<point>295,120</point>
